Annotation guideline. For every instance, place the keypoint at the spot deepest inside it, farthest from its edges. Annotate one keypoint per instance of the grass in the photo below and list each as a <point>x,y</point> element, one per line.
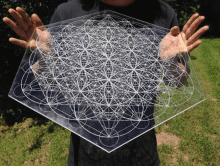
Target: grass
<point>197,129</point>
<point>28,143</point>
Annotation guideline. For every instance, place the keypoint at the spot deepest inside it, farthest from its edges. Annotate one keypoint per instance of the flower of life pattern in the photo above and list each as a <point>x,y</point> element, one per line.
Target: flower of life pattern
<point>107,72</point>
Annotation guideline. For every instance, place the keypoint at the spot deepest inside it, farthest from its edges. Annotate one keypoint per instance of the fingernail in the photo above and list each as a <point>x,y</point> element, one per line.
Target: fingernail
<point>202,17</point>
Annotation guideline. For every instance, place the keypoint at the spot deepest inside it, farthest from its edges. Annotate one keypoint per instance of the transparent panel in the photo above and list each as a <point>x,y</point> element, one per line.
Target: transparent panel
<point>102,77</point>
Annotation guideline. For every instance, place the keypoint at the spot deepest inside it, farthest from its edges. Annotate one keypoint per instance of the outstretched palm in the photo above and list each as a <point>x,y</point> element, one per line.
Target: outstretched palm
<point>27,28</point>
<point>175,43</point>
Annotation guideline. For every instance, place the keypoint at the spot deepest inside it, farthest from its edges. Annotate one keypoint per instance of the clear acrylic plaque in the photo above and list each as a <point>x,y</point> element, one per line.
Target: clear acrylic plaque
<point>101,77</point>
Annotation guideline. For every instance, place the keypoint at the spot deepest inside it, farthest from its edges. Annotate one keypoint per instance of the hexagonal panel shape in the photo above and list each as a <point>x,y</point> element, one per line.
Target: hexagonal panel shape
<point>102,77</point>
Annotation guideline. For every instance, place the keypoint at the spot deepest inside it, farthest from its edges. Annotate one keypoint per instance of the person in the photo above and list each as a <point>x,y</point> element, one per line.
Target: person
<point>142,150</point>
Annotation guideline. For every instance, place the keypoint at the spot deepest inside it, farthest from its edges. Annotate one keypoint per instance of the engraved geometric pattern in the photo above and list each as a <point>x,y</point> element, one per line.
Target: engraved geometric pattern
<point>102,78</point>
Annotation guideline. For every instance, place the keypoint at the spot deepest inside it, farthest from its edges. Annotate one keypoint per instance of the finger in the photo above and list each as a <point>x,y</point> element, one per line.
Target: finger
<point>18,18</point>
<point>194,45</point>
<point>194,26</point>
<point>35,66</point>
<point>20,32</point>
<point>18,42</point>
<point>190,21</point>
<point>174,31</point>
<point>22,43</point>
<point>197,35</point>
<point>24,15</point>
<point>36,20</point>
<point>32,45</point>
<point>31,32</point>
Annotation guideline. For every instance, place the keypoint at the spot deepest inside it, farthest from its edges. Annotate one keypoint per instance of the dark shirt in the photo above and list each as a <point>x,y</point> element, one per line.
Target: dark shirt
<point>73,9</point>
<point>141,151</point>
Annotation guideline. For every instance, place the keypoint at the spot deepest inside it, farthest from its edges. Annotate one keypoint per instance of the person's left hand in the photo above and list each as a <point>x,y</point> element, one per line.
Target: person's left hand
<point>175,43</point>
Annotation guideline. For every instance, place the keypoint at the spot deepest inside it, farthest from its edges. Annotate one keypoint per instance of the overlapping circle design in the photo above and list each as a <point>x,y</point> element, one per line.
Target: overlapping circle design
<point>107,72</point>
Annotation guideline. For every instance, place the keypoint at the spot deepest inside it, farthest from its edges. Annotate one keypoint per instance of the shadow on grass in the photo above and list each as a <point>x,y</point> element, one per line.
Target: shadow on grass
<point>36,145</point>
<point>51,129</point>
<point>38,141</point>
<point>18,113</point>
<point>192,57</point>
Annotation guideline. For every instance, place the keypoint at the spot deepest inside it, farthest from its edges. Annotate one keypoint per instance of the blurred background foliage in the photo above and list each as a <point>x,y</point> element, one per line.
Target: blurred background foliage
<point>208,8</point>
<point>11,55</point>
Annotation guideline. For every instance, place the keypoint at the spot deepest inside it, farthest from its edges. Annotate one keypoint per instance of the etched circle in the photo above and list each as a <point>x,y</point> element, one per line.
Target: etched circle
<point>109,137</point>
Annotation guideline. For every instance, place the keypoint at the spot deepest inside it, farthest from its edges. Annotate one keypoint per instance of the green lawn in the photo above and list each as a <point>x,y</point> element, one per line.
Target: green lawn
<point>191,138</point>
<point>198,128</point>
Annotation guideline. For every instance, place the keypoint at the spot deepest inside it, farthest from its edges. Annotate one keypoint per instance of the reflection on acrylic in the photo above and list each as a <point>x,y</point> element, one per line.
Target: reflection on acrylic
<point>101,76</point>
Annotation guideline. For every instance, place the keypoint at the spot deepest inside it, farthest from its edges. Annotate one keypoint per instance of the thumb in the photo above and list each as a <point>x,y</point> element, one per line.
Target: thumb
<point>36,20</point>
<point>174,31</point>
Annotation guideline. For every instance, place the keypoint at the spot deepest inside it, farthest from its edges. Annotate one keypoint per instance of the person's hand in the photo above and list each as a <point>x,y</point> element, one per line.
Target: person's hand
<point>175,43</point>
<point>27,28</point>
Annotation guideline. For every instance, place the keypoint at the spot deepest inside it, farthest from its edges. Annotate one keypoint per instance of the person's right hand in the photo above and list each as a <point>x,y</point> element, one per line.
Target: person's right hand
<point>27,29</point>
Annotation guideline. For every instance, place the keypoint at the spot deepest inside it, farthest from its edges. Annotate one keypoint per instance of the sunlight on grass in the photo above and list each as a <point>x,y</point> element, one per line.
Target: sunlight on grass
<point>199,127</point>
<point>29,144</point>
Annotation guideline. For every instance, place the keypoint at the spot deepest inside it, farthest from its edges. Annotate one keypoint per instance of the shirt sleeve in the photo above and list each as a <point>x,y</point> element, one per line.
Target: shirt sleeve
<point>55,17</point>
<point>174,21</point>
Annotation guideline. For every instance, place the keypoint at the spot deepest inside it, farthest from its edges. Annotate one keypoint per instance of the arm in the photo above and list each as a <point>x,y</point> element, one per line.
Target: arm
<point>176,44</point>
<point>30,30</point>
<point>25,29</point>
